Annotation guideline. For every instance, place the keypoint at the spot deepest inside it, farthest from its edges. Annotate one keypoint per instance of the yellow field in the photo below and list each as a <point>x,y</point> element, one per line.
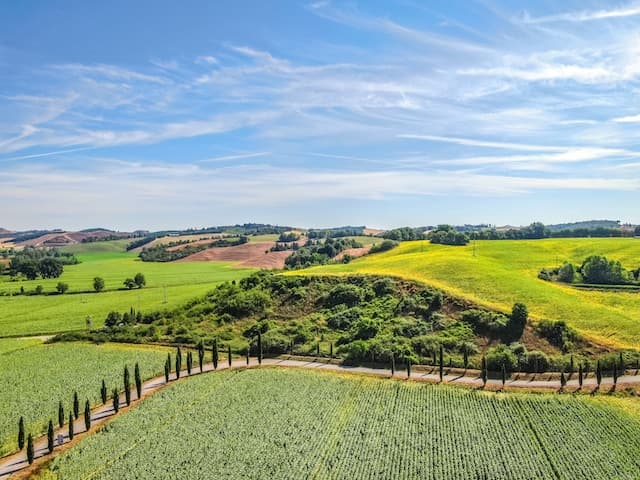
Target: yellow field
<point>505,271</point>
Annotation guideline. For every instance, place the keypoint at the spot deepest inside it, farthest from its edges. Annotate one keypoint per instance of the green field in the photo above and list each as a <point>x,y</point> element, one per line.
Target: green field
<point>35,377</point>
<point>42,314</point>
<point>294,424</point>
<point>503,272</point>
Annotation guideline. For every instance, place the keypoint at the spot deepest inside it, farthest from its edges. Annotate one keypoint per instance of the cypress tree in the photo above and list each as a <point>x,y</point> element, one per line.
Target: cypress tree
<point>441,363</point>
<point>127,386</point>
<point>21,433</point>
<point>259,348</point>
<point>291,348</point>
<point>563,380</point>
<point>214,353</point>
<point>504,375</point>
<point>248,355</point>
<point>50,437</point>
<point>615,374</point>
<point>318,349</point>
<point>580,375</point>
<point>178,362</point>
<point>87,415</point>
<point>571,366</point>
<point>189,362</point>
<point>484,371</point>
<point>70,427</point>
<point>169,361</point>
<point>60,414</point>
<point>393,364</point>
<point>229,355</point>
<point>103,392</point>
<point>76,405</point>
<point>167,368</point>
<point>408,367</point>
<point>598,373</point>
<point>116,400</point>
<point>138,380</point>
<point>200,355</point>
<point>621,363</point>
<point>465,357</point>
<point>331,350</point>
<point>30,449</point>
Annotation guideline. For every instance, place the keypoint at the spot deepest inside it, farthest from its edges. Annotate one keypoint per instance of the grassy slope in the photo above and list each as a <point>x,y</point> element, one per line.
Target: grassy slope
<point>37,376</point>
<point>504,272</point>
<point>355,427</point>
<point>25,315</point>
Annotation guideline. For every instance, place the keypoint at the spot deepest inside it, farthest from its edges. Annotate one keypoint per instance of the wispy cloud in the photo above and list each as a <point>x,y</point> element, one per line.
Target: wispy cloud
<point>628,119</point>
<point>630,10</point>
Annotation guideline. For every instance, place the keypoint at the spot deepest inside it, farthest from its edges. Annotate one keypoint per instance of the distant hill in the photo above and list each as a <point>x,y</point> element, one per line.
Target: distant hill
<point>585,224</point>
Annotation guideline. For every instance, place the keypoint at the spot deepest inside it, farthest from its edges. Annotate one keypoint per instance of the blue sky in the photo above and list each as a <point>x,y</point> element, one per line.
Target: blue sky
<point>163,114</point>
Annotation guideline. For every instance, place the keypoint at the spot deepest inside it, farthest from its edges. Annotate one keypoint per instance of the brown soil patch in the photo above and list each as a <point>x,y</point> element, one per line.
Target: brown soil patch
<point>246,255</point>
<point>354,252</point>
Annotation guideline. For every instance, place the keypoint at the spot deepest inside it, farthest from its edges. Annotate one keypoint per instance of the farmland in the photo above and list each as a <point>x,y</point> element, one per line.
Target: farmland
<point>51,313</point>
<point>503,272</point>
<point>35,377</point>
<point>253,424</point>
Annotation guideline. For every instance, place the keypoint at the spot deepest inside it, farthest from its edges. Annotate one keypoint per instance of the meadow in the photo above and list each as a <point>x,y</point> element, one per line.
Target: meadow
<point>496,274</point>
<point>253,424</point>
<point>168,285</point>
<point>35,377</point>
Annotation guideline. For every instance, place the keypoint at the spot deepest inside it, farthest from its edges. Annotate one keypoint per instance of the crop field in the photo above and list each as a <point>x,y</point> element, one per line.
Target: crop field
<point>272,423</point>
<point>42,314</point>
<point>35,377</point>
<point>503,272</point>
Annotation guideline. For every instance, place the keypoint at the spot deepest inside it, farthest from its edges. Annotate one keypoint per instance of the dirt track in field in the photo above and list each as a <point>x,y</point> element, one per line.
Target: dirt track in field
<point>246,255</point>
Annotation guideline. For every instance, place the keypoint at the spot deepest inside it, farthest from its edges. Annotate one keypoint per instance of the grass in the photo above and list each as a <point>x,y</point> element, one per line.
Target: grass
<point>253,424</point>
<point>35,377</point>
<point>111,246</point>
<point>41,314</point>
<point>504,272</point>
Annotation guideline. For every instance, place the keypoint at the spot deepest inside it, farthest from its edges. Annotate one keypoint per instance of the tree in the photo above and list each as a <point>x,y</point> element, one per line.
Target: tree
<point>138,380</point>
<point>129,283</point>
<point>139,280</point>
<point>60,414</point>
<point>393,364</point>
<point>178,362</point>
<point>103,392</point>
<point>50,437</point>
<point>331,350</point>
<point>504,375</point>
<point>580,375</point>
<point>615,374</point>
<point>229,354</point>
<point>408,368</point>
<point>259,348</point>
<point>127,386</point>
<point>98,284</point>
<point>517,321</point>
<point>636,232</point>
<point>50,267</point>
<point>599,270</point>
<point>441,362</point>
<point>189,363</point>
<point>87,415</point>
<point>62,287</point>
<point>76,405</point>
<point>598,373</point>
<point>21,433</point>
<point>167,369</point>
<point>70,427</point>
<point>30,449</point>
<point>214,353</point>
<point>484,371</point>
<point>116,400</point>
<point>200,355</point>
<point>39,289</point>
<point>566,273</point>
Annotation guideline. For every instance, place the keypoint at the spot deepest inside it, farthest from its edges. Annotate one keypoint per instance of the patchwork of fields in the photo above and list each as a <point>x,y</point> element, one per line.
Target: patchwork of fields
<point>168,285</point>
<point>35,377</point>
<point>306,424</point>
<point>501,273</point>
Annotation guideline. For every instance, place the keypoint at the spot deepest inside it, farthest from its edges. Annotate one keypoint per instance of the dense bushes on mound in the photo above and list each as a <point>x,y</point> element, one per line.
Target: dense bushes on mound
<point>447,235</point>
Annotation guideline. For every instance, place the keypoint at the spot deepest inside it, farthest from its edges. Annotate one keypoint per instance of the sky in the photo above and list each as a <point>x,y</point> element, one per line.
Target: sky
<point>162,114</point>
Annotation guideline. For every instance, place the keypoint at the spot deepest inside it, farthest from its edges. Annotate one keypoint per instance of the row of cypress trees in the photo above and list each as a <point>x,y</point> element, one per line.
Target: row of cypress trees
<point>75,413</point>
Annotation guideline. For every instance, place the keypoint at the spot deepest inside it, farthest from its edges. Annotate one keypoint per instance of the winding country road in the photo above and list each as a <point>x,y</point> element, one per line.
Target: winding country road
<point>17,462</point>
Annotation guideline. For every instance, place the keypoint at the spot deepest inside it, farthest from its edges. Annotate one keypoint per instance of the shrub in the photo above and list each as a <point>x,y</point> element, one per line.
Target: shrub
<point>98,284</point>
<point>536,362</point>
<point>599,270</point>
<point>566,273</point>
<point>62,287</point>
<point>385,246</point>
<point>499,357</point>
<point>345,294</point>
<point>558,333</point>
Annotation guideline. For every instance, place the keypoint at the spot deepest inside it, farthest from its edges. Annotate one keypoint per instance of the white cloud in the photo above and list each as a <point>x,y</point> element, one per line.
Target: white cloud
<point>206,60</point>
<point>630,10</point>
<point>628,119</point>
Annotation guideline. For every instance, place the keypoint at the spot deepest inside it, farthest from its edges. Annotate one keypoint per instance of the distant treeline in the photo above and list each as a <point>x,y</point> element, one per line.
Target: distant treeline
<point>338,232</point>
<point>317,252</point>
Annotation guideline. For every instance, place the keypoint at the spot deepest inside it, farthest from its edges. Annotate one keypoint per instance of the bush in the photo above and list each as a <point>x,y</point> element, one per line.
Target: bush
<point>535,362</point>
<point>385,246</point>
<point>62,287</point>
<point>500,356</point>
<point>344,319</point>
<point>345,294</point>
<point>599,270</point>
<point>566,273</point>
<point>485,322</point>
<point>558,333</point>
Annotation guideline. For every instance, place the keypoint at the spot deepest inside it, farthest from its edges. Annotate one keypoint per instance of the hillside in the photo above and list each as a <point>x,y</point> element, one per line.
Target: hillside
<point>498,273</point>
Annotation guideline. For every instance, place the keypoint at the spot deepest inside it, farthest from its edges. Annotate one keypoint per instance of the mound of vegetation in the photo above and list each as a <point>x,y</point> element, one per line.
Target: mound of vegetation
<point>34,262</point>
<point>336,232</point>
<point>404,234</point>
<point>362,318</point>
<point>318,252</point>
<point>447,235</point>
<point>595,270</point>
